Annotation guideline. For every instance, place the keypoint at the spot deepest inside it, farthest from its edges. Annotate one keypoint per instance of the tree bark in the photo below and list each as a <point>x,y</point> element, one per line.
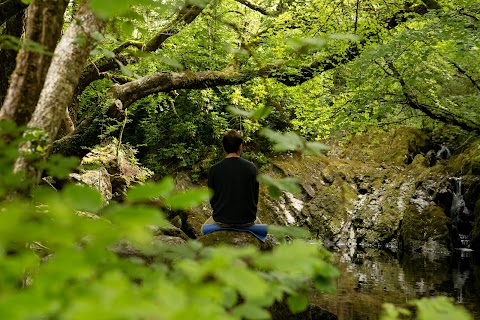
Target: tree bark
<point>44,26</point>
<point>165,82</point>
<point>68,62</point>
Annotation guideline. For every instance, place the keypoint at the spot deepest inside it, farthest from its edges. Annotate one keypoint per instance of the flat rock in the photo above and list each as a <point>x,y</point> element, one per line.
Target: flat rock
<point>237,238</point>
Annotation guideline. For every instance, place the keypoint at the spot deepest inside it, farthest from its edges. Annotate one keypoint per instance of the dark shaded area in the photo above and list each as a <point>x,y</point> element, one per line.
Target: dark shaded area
<point>13,27</point>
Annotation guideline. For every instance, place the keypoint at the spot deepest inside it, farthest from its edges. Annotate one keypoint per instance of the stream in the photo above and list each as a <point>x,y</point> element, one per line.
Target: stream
<point>371,277</point>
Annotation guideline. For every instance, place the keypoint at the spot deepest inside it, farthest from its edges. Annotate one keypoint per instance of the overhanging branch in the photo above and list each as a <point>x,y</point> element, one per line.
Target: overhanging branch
<point>166,82</point>
<point>257,8</point>
<point>91,73</point>
<point>443,115</point>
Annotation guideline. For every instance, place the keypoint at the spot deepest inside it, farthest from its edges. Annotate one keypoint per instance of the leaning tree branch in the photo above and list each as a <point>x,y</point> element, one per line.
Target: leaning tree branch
<point>117,78</point>
<point>184,17</point>
<point>130,92</point>
<point>443,115</point>
<point>10,8</point>
<point>256,7</point>
<point>464,73</point>
<point>129,43</point>
<point>93,71</point>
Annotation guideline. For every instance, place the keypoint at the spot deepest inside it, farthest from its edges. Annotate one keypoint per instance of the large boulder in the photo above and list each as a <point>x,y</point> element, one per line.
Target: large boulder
<point>426,230</point>
<point>111,168</point>
<point>237,238</point>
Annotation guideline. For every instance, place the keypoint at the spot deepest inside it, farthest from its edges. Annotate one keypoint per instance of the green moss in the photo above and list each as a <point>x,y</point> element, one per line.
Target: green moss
<point>397,146</point>
<point>236,238</point>
<point>418,228</point>
<point>467,162</point>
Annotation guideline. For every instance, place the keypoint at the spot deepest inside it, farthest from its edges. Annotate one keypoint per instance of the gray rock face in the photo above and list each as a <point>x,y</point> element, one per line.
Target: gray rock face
<point>111,169</point>
<point>379,191</point>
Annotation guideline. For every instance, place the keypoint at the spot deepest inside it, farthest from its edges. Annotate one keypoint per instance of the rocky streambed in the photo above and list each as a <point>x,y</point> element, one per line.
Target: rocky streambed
<point>397,190</point>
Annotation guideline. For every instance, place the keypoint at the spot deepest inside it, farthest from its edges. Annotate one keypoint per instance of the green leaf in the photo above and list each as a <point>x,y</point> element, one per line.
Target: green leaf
<point>82,198</point>
<point>128,27</point>
<point>126,71</point>
<point>172,62</point>
<point>248,282</point>
<point>284,141</point>
<point>345,36</point>
<point>80,40</point>
<point>137,217</point>
<point>59,166</point>
<point>391,312</point>
<point>262,112</point>
<point>109,9</point>
<point>316,148</point>
<point>440,308</point>
<point>297,303</point>
<point>288,184</point>
<point>188,199</point>
<point>150,190</point>
<point>108,54</point>
<point>239,112</point>
<point>97,36</point>
<point>292,231</point>
<point>303,45</point>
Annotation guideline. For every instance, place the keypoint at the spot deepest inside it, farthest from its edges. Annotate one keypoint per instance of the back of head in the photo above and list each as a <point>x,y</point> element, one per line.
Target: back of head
<point>232,141</point>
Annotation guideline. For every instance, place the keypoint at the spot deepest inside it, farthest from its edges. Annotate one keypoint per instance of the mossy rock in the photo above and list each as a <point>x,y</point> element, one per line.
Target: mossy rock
<point>397,146</point>
<point>471,189</point>
<point>172,231</point>
<point>426,230</point>
<point>467,162</point>
<point>236,238</point>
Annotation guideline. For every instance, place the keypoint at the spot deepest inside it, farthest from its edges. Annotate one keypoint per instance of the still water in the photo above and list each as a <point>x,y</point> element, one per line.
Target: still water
<point>371,277</point>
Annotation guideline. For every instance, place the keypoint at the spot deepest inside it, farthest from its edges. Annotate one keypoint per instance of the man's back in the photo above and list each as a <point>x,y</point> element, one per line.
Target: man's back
<point>235,186</point>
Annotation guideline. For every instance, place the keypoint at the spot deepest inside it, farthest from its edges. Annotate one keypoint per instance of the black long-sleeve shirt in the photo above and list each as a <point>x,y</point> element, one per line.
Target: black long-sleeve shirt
<point>235,186</point>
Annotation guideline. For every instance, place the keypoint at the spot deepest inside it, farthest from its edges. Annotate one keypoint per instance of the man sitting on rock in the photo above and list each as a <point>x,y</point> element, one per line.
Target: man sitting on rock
<point>235,186</point>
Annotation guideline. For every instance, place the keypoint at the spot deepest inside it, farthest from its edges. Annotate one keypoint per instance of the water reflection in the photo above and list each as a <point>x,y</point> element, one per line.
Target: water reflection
<point>371,277</point>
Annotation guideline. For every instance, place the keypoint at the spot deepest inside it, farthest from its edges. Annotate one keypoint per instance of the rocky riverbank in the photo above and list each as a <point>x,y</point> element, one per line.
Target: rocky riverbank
<point>397,189</point>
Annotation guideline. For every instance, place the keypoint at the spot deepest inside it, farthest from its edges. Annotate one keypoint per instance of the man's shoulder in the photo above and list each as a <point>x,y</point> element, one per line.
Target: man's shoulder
<point>247,162</point>
<point>236,161</point>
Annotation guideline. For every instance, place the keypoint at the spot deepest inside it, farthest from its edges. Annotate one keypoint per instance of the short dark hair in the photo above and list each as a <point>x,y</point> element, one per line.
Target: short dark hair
<point>232,141</point>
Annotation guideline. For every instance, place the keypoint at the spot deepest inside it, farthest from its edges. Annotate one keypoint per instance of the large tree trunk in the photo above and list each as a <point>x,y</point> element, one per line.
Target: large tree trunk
<point>44,26</point>
<point>13,27</point>
<point>68,62</point>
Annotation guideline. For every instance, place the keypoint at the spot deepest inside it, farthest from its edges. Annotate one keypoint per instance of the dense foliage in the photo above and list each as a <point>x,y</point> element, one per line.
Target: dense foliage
<point>64,254</point>
<point>413,73</point>
<point>168,77</point>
